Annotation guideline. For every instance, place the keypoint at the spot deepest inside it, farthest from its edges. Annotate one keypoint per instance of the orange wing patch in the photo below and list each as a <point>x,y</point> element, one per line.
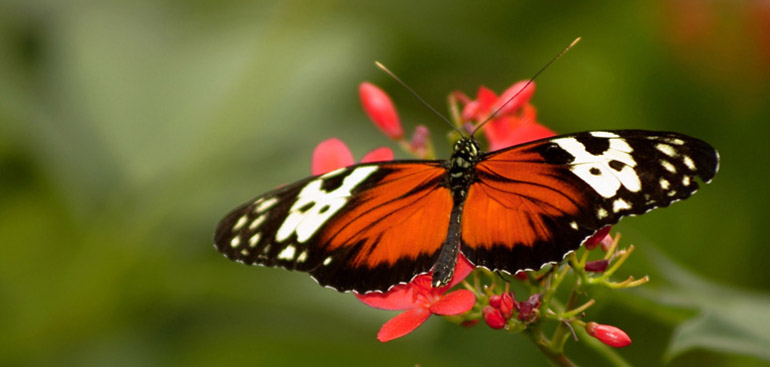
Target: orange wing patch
<point>514,202</point>
<point>405,215</point>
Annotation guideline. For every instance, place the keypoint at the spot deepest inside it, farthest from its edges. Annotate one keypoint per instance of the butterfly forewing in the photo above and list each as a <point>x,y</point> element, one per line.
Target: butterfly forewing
<point>534,203</point>
<point>362,228</point>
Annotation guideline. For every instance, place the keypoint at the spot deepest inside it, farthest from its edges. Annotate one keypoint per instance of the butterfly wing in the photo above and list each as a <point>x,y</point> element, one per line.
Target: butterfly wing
<point>534,203</point>
<point>362,228</point>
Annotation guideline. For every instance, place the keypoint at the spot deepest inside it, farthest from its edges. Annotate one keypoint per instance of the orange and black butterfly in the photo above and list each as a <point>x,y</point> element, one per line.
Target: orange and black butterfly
<point>371,226</point>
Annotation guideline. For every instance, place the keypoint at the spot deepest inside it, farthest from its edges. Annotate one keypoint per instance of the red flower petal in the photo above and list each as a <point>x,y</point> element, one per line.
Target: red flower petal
<point>504,132</point>
<point>329,155</point>
<point>381,110</point>
<point>524,95</point>
<point>594,240</point>
<point>404,323</point>
<point>462,270</point>
<point>399,297</point>
<point>381,154</point>
<point>454,303</point>
<point>608,334</point>
<point>477,109</point>
<point>597,266</point>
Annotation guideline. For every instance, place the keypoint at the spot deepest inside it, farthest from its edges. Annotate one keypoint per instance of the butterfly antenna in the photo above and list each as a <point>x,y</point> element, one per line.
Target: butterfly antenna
<point>381,66</point>
<point>532,79</point>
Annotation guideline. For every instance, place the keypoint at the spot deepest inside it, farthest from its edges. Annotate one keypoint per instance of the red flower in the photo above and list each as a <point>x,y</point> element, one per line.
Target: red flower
<point>493,317</point>
<point>381,110</point>
<point>597,238</point>
<point>514,124</point>
<point>597,266</point>
<point>420,300</point>
<point>332,153</point>
<point>608,334</point>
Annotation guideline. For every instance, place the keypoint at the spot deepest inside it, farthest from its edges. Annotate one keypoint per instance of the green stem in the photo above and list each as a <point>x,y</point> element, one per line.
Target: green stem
<point>559,337</point>
<point>556,358</point>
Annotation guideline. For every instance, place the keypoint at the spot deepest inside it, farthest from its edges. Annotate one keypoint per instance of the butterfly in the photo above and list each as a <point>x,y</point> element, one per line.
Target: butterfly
<point>368,227</point>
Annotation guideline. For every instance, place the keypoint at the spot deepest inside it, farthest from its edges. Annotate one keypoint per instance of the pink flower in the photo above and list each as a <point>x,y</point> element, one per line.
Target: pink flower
<point>514,124</point>
<point>332,154</point>
<point>380,109</point>
<point>608,334</point>
<point>420,300</point>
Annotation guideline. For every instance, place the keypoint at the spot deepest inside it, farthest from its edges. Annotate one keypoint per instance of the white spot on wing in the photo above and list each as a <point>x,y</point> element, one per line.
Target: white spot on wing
<point>608,181</point>
<point>668,166</point>
<point>257,222</point>
<point>664,184</point>
<point>239,224</point>
<point>686,180</point>
<point>666,149</point>
<point>327,261</point>
<point>235,242</point>
<point>324,205</point>
<point>601,213</point>
<point>266,204</point>
<point>689,163</point>
<point>574,225</point>
<point>619,205</point>
<point>254,240</point>
<point>302,257</point>
<point>287,253</point>
<point>604,134</point>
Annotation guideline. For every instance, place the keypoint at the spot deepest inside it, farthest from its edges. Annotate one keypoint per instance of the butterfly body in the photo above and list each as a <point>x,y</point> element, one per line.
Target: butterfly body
<point>371,226</point>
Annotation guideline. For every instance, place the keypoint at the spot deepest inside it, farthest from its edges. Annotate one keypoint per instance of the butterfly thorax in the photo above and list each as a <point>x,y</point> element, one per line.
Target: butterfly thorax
<point>462,167</point>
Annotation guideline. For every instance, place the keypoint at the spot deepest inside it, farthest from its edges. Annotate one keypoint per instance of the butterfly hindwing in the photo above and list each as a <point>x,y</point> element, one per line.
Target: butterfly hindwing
<point>534,203</point>
<point>361,228</point>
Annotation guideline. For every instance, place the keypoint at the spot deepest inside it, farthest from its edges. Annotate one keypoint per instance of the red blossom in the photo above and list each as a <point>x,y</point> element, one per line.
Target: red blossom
<point>420,300</point>
<point>332,154</point>
<point>597,238</point>
<point>515,123</point>
<point>493,317</point>
<point>380,109</point>
<point>597,266</point>
<point>329,155</point>
<point>380,154</point>
<point>528,310</point>
<point>608,334</point>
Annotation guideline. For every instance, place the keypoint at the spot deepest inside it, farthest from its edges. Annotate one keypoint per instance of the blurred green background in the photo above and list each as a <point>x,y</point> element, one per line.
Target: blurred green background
<point>128,128</point>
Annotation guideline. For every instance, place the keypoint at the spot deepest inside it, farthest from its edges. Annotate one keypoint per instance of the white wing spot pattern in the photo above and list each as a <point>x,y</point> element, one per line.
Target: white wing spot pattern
<point>620,204</point>
<point>668,166</point>
<point>607,182</point>
<point>324,204</point>
<point>287,253</point>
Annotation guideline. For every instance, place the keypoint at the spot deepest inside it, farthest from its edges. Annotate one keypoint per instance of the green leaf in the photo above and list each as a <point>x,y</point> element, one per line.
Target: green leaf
<point>728,320</point>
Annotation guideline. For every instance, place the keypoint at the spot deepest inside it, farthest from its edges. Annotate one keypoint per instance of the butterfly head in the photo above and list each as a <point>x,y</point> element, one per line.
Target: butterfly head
<point>466,152</point>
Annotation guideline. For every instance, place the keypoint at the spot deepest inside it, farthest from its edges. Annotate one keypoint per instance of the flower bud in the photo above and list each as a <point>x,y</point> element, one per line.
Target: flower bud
<point>608,334</point>
<point>528,310</point>
<point>597,266</point>
<point>380,110</point>
<point>507,304</point>
<point>597,238</point>
<point>419,143</point>
<point>493,317</point>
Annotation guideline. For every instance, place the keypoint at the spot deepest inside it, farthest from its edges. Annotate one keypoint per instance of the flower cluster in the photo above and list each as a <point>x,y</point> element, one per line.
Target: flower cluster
<point>507,119</point>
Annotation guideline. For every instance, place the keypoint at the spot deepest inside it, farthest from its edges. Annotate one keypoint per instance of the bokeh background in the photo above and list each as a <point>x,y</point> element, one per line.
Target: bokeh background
<point>128,128</point>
